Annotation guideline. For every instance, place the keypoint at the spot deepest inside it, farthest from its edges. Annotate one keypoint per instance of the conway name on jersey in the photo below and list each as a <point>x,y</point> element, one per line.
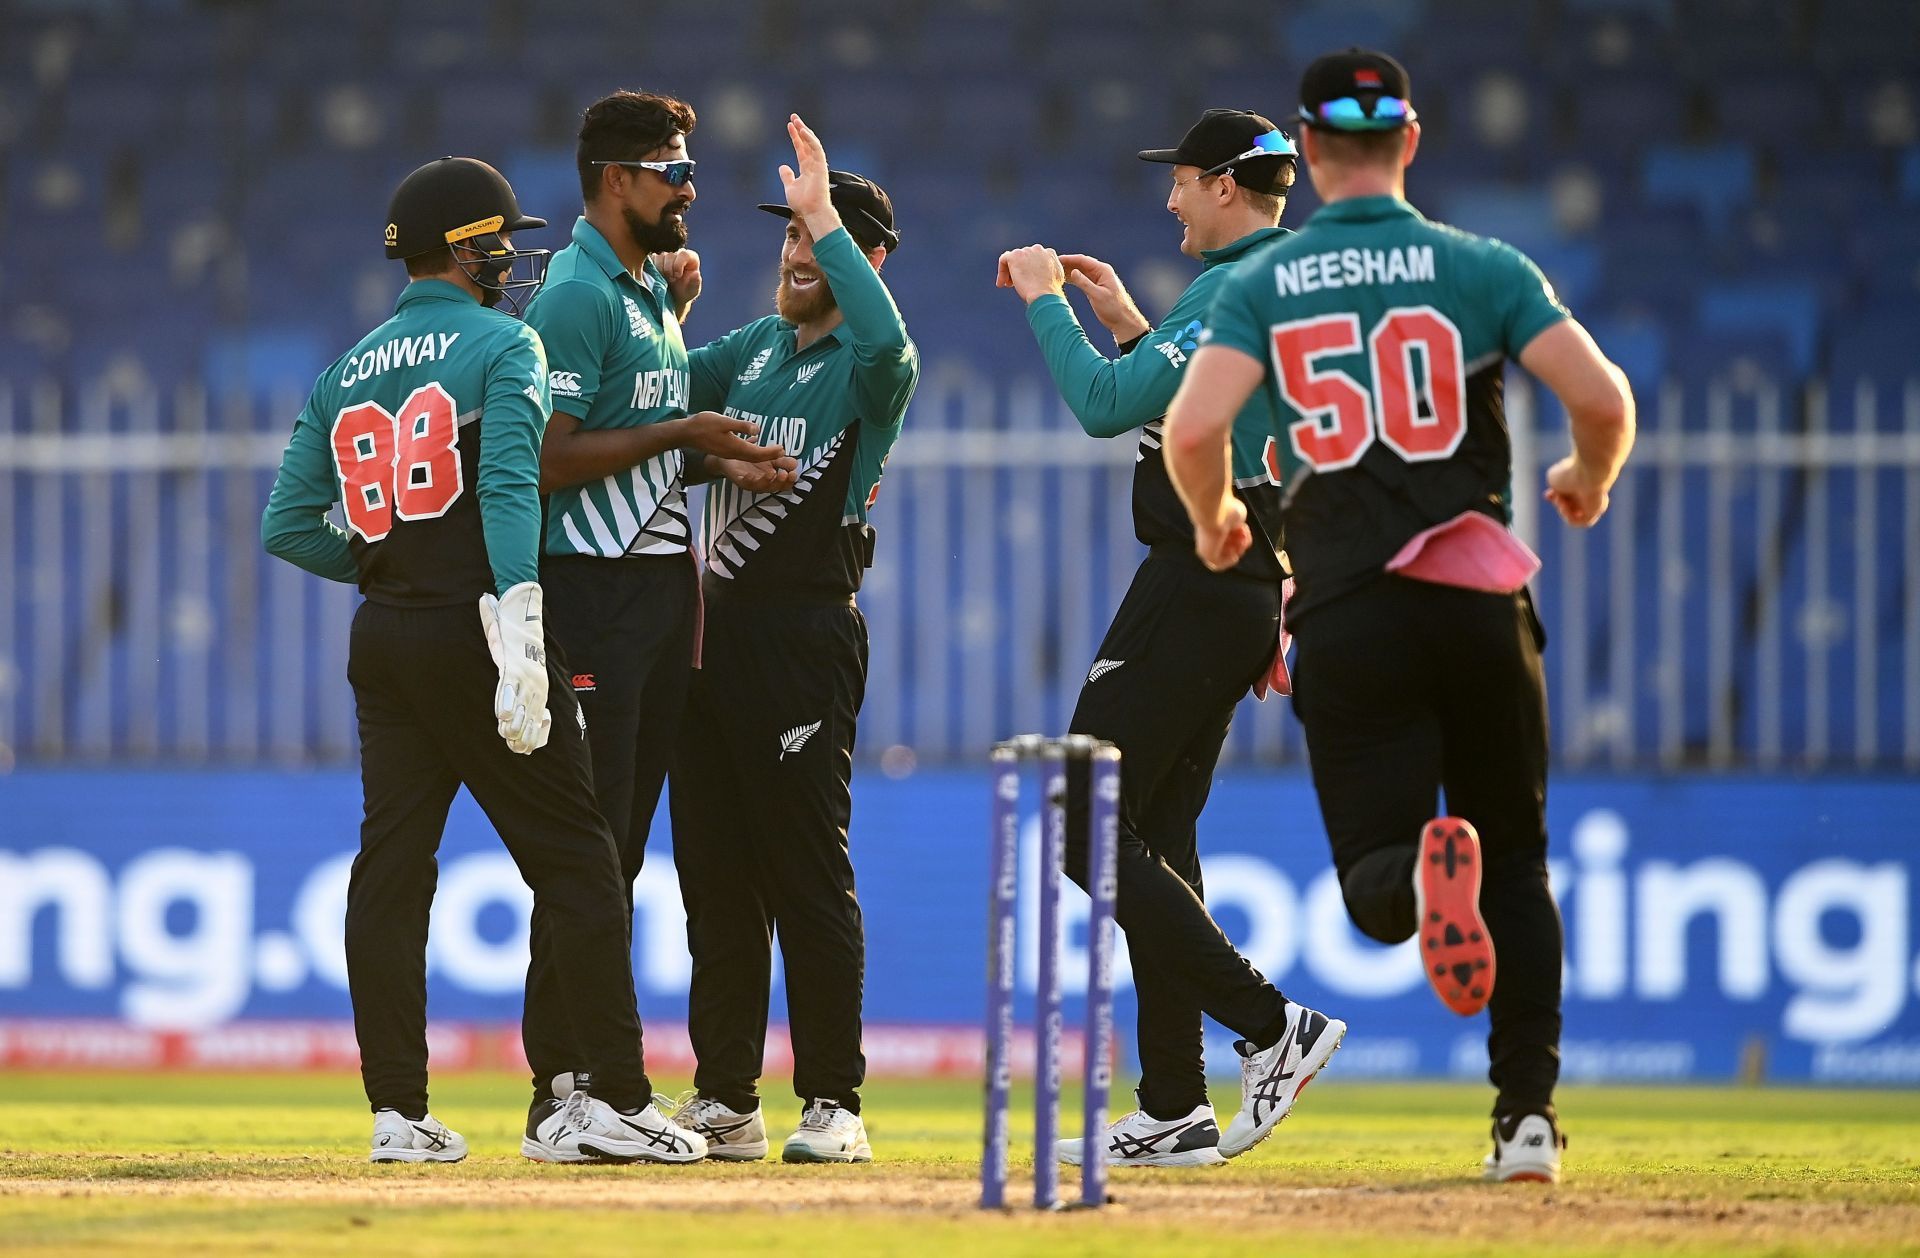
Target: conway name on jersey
<point>428,434</point>
<point>836,406</point>
<point>1385,336</point>
<point>616,359</point>
<point>1111,397</point>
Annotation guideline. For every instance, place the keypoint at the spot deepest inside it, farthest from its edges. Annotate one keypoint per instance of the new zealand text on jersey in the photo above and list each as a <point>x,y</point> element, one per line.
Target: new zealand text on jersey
<point>659,388</point>
<point>404,352</point>
<point>786,431</point>
<point>1344,268</point>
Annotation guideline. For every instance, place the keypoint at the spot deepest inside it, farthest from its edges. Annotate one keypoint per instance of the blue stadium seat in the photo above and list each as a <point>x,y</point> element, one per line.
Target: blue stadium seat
<point>1521,216</point>
<point>1661,9</point>
<point>1614,113</point>
<point>261,361</point>
<point>1653,258</point>
<point>1716,180</point>
<point>885,110</point>
<point>1910,175</point>
<point>1876,344</point>
<point>1857,35</point>
<point>484,115</point>
<point>1778,112</point>
<point>1638,347</point>
<point>1789,308</point>
<point>547,184</point>
<point>1572,267</point>
<point>1309,30</point>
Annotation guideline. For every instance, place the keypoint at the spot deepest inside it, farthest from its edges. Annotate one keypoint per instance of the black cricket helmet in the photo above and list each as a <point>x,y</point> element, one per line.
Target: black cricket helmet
<point>464,204</point>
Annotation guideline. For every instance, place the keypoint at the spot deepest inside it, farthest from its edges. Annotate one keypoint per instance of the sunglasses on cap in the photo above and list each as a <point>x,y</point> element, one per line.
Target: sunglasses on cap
<point>675,173</point>
<point>1346,113</point>
<point>1273,144</point>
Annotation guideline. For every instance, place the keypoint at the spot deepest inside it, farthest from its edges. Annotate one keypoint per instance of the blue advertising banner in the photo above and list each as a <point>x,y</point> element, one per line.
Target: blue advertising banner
<point>1715,925</point>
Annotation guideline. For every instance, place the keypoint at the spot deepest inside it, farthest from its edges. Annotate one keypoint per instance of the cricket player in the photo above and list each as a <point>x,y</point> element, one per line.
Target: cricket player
<point>428,434</point>
<point>1184,647</point>
<point>625,590</point>
<point>1380,339</point>
<point>762,780</point>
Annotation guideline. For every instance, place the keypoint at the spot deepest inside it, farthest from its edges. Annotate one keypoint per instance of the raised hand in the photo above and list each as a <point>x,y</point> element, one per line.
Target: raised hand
<point>1032,272</point>
<point>769,477</point>
<point>724,437</point>
<point>1221,544</point>
<point>1112,304</point>
<point>1575,493</point>
<point>682,271</point>
<point>808,194</point>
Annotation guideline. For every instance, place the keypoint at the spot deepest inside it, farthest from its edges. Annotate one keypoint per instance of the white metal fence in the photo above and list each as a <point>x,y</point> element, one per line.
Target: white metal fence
<point>1752,600</point>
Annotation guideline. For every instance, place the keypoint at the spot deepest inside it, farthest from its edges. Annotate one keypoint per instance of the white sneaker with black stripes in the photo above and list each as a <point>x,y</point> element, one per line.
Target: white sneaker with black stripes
<point>731,1136</point>
<point>1140,1139</point>
<point>584,1128</point>
<point>1526,1149</point>
<point>828,1132</point>
<point>1271,1079</point>
<point>397,1138</point>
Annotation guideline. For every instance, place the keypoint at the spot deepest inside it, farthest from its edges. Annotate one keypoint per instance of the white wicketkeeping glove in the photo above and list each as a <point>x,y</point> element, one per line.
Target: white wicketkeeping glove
<point>516,639</point>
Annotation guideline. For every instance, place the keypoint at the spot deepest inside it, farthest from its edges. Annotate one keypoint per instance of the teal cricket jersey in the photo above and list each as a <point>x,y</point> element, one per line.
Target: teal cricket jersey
<point>1113,396</point>
<point>615,359</point>
<point>836,406</point>
<point>428,434</point>
<point>1385,337</point>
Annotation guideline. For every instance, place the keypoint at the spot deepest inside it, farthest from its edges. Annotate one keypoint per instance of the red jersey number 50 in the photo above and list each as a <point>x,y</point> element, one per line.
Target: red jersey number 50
<point>405,464</point>
<point>1341,417</point>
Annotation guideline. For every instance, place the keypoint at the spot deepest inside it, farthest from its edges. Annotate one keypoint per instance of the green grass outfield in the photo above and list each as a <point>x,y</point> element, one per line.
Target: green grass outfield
<point>211,1164</point>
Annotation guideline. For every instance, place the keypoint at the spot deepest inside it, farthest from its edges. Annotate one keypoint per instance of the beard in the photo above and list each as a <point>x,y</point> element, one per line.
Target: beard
<point>664,236</point>
<point>797,307</point>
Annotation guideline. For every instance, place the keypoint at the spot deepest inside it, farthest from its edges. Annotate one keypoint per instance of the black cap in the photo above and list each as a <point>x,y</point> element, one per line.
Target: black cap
<point>1374,81</point>
<point>450,200</point>
<point>864,208</point>
<point>1222,138</point>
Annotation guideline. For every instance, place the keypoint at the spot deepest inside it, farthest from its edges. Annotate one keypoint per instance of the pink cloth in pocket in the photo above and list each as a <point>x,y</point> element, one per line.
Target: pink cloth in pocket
<point>1472,551</point>
<point>1277,680</point>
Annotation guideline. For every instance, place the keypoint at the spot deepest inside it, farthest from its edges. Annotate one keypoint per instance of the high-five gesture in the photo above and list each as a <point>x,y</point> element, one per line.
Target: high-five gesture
<point>808,195</point>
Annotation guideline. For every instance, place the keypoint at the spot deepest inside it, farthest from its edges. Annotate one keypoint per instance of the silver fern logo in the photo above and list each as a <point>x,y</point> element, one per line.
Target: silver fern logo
<point>796,738</point>
<point>806,373</point>
<point>1101,668</point>
<point>754,368</point>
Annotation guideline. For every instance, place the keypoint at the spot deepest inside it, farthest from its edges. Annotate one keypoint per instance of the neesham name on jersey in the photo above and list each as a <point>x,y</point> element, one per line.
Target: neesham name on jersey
<point>407,351</point>
<point>1348,267</point>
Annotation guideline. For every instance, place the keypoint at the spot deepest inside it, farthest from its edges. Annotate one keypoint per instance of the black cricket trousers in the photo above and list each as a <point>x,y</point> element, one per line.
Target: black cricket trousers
<point>625,630</point>
<point>423,683</point>
<point>1184,647</point>
<point>1406,689</point>
<point>762,798</point>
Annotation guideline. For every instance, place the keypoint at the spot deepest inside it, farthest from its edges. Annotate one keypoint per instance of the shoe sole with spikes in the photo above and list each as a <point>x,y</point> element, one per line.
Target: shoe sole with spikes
<point>1456,950</point>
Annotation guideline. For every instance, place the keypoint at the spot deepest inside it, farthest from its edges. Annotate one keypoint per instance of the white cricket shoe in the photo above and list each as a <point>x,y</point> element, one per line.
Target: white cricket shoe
<point>397,1138</point>
<point>731,1136</point>
<point>828,1132</point>
<point>585,1129</point>
<point>1139,1139</point>
<point>1272,1079</point>
<point>1526,1149</point>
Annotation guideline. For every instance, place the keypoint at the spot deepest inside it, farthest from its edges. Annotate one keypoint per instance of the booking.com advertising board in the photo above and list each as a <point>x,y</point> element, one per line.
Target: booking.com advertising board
<point>1716,927</point>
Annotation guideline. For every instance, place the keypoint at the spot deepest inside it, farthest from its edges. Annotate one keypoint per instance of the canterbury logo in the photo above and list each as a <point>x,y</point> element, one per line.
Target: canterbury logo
<point>796,738</point>
<point>1101,668</point>
<point>583,683</point>
<point>807,373</point>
